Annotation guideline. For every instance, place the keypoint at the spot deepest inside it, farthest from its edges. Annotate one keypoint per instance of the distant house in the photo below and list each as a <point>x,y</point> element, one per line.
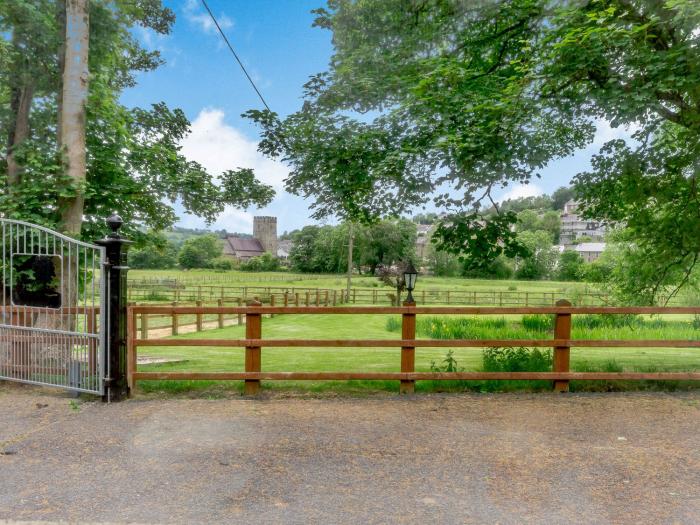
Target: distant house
<point>283,248</point>
<point>590,251</point>
<point>242,248</point>
<point>264,240</point>
<point>423,235</point>
<point>574,227</point>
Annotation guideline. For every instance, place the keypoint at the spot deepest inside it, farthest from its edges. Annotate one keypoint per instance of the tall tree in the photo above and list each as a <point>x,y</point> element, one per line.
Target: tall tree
<point>461,98</point>
<point>131,156</point>
<point>73,107</point>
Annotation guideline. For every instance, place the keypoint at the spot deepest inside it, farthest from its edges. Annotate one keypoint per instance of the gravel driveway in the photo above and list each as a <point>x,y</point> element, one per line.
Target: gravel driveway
<point>429,459</point>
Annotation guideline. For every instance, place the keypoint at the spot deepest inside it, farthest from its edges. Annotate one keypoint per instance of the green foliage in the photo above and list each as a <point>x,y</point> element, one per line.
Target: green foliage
<point>450,100</point>
<point>520,359</point>
<point>263,263</point>
<point>540,323</point>
<point>323,249</point>
<point>449,364</point>
<point>223,264</point>
<point>478,241</point>
<point>542,257</point>
<point>592,321</point>
<point>157,252</point>
<point>200,252</point>
<point>134,162</point>
<point>442,264</point>
<point>499,268</point>
<point>561,196</point>
<point>459,327</point>
<point>571,266</point>
<point>386,243</point>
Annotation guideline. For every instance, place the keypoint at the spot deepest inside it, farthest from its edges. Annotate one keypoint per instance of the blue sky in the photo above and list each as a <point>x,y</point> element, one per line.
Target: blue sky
<point>280,49</point>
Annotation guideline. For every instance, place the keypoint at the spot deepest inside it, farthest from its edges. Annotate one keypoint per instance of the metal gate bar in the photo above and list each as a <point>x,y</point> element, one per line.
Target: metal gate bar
<point>52,319</point>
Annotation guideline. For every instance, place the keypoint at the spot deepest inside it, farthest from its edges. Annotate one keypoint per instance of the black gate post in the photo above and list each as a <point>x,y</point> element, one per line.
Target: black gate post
<point>115,270</point>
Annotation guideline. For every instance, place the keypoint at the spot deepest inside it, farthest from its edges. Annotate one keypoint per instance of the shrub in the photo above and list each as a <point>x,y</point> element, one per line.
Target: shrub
<point>538,322</point>
<point>222,264</point>
<point>393,324</point>
<point>449,364</point>
<point>610,321</point>
<point>459,328</point>
<point>264,263</point>
<point>516,359</point>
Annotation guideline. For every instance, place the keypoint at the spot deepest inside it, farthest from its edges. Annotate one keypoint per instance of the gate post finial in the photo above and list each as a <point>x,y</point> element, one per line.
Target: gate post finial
<point>114,271</point>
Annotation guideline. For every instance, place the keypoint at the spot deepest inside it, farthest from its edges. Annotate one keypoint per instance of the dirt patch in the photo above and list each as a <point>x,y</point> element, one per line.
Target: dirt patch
<point>507,458</point>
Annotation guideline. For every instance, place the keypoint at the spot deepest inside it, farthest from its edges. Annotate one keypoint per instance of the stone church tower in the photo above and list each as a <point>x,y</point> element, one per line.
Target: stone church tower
<point>265,230</point>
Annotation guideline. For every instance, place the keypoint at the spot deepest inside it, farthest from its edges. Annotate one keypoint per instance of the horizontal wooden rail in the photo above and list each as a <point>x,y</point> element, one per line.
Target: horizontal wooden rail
<point>413,376</point>
<point>434,310</point>
<point>425,343</point>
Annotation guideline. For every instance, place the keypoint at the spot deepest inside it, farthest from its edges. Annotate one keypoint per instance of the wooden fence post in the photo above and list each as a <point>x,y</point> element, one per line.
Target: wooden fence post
<point>296,298</point>
<point>335,297</point>
<point>175,321</point>
<point>253,330</point>
<point>307,298</point>
<point>220,303</point>
<point>272,303</point>
<point>408,353</point>
<point>199,316</point>
<point>286,299</point>
<point>561,357</point>
<point>240,316</point>
<point>130,350</point>
<point>318,297</point>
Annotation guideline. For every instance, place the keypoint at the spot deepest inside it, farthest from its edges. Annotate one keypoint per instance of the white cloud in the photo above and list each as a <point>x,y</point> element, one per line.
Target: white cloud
<point>201,18</point>
<point>521,190</point>
<point>605,132</point>
<point>220,147</point>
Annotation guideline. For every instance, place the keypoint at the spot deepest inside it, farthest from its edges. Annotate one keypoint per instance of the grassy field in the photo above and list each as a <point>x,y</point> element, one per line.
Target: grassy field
<point>236,278</point>
<point>386,359</point>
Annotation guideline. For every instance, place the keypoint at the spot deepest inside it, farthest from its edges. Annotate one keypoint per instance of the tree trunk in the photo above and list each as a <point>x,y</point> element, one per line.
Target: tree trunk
<point>74,93</point>
<point>20,106</point>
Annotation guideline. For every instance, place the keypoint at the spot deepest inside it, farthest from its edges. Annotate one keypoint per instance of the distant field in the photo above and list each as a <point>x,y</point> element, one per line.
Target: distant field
<point>236,278</point>
<point>383,359</point>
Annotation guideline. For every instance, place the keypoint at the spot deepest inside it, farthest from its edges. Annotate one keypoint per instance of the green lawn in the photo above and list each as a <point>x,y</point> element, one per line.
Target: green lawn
<point>387,359</point>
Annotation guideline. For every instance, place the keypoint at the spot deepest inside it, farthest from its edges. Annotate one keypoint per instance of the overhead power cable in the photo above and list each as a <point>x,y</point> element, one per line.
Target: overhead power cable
<point>235,55</point>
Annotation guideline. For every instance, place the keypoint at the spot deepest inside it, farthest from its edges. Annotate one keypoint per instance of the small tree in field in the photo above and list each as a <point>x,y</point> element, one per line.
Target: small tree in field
<point>571,266</point>
<point>393,276</point>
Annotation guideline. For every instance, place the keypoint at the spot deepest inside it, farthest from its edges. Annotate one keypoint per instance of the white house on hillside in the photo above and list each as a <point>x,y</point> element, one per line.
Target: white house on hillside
<point>573,227</point>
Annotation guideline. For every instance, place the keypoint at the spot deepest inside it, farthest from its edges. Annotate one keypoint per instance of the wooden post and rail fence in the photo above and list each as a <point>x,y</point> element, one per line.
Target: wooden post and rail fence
<point>254,344</point>
<point>307,296</point>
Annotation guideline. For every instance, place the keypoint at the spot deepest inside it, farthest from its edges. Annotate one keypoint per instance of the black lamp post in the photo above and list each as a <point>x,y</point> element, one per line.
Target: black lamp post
<point>410,275</point>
